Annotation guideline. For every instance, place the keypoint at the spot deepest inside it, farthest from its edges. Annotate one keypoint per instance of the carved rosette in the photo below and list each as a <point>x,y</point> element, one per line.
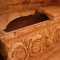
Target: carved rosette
<point>18,52</point>
<point>40,44</point>
<point>36,45</point>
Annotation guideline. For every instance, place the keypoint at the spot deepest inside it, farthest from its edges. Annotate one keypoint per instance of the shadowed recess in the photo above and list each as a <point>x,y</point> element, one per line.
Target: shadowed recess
<point>3,53</point>
<point>26,21</point>
<point>1,57</point>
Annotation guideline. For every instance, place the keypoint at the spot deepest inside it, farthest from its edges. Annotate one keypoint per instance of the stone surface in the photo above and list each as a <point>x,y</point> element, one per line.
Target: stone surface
<point>39,41</point>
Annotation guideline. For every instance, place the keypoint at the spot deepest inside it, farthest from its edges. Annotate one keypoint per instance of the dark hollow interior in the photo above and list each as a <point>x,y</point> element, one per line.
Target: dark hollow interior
<point>26,21</point>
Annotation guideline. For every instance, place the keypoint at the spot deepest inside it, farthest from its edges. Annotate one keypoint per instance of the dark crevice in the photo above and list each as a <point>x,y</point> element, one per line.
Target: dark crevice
<point>3,53</point>
<point>1,57</point>
<point>26,21</point>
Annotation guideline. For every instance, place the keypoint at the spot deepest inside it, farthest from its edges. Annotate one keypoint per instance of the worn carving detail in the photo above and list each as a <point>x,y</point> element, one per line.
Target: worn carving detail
<point>35,47</point>
<point>56,36</point>
<point>18,52</point>
<point>37,41</point>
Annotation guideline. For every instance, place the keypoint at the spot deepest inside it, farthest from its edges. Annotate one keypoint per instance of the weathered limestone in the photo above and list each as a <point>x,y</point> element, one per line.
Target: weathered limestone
<point>36,42</point>
<point>39,41</point>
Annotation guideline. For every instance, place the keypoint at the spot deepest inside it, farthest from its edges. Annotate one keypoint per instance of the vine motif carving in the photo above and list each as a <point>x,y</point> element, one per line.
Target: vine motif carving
<point>18,52</point>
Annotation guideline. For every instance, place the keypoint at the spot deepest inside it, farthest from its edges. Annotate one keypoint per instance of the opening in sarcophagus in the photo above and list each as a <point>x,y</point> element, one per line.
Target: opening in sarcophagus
<point>26,21</point>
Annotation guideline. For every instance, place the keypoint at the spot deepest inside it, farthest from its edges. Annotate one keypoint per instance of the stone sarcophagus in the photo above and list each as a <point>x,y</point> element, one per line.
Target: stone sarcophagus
<point>36,37</point>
